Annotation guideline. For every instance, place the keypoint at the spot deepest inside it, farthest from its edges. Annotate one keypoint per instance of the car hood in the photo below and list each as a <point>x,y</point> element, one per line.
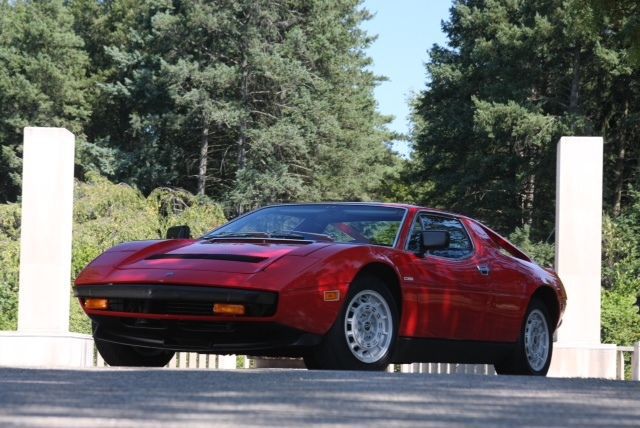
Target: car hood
<point>244,256</point>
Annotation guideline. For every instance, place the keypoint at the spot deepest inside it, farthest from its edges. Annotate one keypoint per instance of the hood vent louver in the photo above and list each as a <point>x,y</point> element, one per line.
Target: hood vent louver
<point>224,257</point>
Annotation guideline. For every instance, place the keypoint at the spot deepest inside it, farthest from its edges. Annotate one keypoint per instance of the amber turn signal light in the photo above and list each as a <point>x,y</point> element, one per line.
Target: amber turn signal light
<point>332,296</point>
<point>99,304</point>
<point>228,309</point>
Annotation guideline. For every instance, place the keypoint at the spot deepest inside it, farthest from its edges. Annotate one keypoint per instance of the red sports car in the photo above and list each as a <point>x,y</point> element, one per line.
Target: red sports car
<point>343,285</point>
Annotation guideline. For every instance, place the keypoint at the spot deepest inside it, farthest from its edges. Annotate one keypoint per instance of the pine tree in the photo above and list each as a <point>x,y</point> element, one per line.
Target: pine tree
<point>43,79</point>
<point>247,101</point>
<point>515,77</point>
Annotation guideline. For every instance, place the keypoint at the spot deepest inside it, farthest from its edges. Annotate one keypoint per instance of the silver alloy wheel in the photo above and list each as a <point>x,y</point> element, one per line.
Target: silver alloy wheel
<point>536,340</point>
<point>368,326</point>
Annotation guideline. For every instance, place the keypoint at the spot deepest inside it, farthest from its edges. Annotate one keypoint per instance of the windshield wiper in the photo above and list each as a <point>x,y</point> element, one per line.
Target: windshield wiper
<point>285,235</point>
<point>239,235</point>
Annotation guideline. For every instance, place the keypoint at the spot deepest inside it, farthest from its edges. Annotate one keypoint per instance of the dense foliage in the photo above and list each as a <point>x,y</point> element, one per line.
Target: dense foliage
<point>9,259</point>
<point>621,276</point>
<point>244,101</point>
<point>625,16</point>
<point>515,77</point>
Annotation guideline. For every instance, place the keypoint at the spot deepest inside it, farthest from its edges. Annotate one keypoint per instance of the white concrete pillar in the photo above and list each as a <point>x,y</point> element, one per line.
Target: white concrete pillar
<point>46,230</point>
<point>43,337</point>
<point>579,235</point>
<point>578,351</point>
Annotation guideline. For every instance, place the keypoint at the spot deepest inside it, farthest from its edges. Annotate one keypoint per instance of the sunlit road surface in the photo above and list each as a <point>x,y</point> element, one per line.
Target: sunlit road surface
<point>164,397</point>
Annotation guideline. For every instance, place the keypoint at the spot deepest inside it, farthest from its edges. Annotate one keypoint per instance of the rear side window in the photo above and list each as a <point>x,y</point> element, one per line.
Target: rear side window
<point>459,242</point>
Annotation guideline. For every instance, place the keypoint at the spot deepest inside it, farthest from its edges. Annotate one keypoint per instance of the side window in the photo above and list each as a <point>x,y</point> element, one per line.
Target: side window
<point>459,242</point>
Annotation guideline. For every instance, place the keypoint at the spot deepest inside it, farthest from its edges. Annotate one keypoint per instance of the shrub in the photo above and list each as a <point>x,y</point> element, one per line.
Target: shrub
<point>621,276</point>
<point>543,253</point>
<point>10,262</point>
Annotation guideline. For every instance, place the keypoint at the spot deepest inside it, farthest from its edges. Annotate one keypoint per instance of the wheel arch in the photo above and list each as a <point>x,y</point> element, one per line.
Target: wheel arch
<point>388,275</point>
<point>548,296</point>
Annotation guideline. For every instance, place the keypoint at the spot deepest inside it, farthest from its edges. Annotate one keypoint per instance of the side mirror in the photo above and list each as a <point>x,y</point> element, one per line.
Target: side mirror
<point>179,232</point>
<point>434,240</point>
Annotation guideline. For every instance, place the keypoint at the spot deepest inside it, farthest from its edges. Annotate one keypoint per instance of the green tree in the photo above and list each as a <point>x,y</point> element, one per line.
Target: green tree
<point>247,101</point>
<point>515,77</point>
<point>352,161</point>
<point>43,80</point>
<point>624,16</point>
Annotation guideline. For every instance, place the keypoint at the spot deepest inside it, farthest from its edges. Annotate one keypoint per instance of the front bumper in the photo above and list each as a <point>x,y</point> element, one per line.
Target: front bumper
<point>180,318</point>
<point>260,339</point>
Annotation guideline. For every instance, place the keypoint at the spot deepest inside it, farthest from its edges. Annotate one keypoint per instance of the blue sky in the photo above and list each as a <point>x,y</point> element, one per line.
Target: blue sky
<point>406,30</point>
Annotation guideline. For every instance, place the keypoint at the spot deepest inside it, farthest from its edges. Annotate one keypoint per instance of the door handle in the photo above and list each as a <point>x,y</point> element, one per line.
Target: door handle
<point>484,270</point>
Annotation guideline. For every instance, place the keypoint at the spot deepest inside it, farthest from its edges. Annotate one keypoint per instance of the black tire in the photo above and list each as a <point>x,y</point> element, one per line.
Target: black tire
<point>115,354</point>
<point>524,361</point>
<point>340,350</point>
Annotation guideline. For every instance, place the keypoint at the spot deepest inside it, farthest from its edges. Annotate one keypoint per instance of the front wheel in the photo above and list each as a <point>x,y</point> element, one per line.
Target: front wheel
<point>115,354</point>
<point>535,345</point>
<point>364,334</point>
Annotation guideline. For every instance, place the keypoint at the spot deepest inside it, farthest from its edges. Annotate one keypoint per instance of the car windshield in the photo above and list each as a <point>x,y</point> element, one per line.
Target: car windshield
<point>367,224</point>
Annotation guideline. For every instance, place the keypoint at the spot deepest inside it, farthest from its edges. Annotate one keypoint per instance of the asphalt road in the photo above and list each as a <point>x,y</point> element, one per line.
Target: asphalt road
<point>262,397</point>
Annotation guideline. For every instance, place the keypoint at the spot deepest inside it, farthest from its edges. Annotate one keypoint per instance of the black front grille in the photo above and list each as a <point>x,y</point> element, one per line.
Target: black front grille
<point>191,308</point>
<point>184,307</point>
<point>178,299</point>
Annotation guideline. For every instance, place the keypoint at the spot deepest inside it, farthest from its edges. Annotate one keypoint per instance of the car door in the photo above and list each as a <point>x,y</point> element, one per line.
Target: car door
<point>452,292</point>
<point>507,279</point>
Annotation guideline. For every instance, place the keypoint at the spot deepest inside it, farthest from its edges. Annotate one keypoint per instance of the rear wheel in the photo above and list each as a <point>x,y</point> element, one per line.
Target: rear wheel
<point>535,345</point>
<point>115,354</point>
<point>364,334</point>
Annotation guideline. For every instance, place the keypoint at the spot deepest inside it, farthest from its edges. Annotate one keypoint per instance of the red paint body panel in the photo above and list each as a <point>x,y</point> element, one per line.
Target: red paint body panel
<point>440,298</point>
